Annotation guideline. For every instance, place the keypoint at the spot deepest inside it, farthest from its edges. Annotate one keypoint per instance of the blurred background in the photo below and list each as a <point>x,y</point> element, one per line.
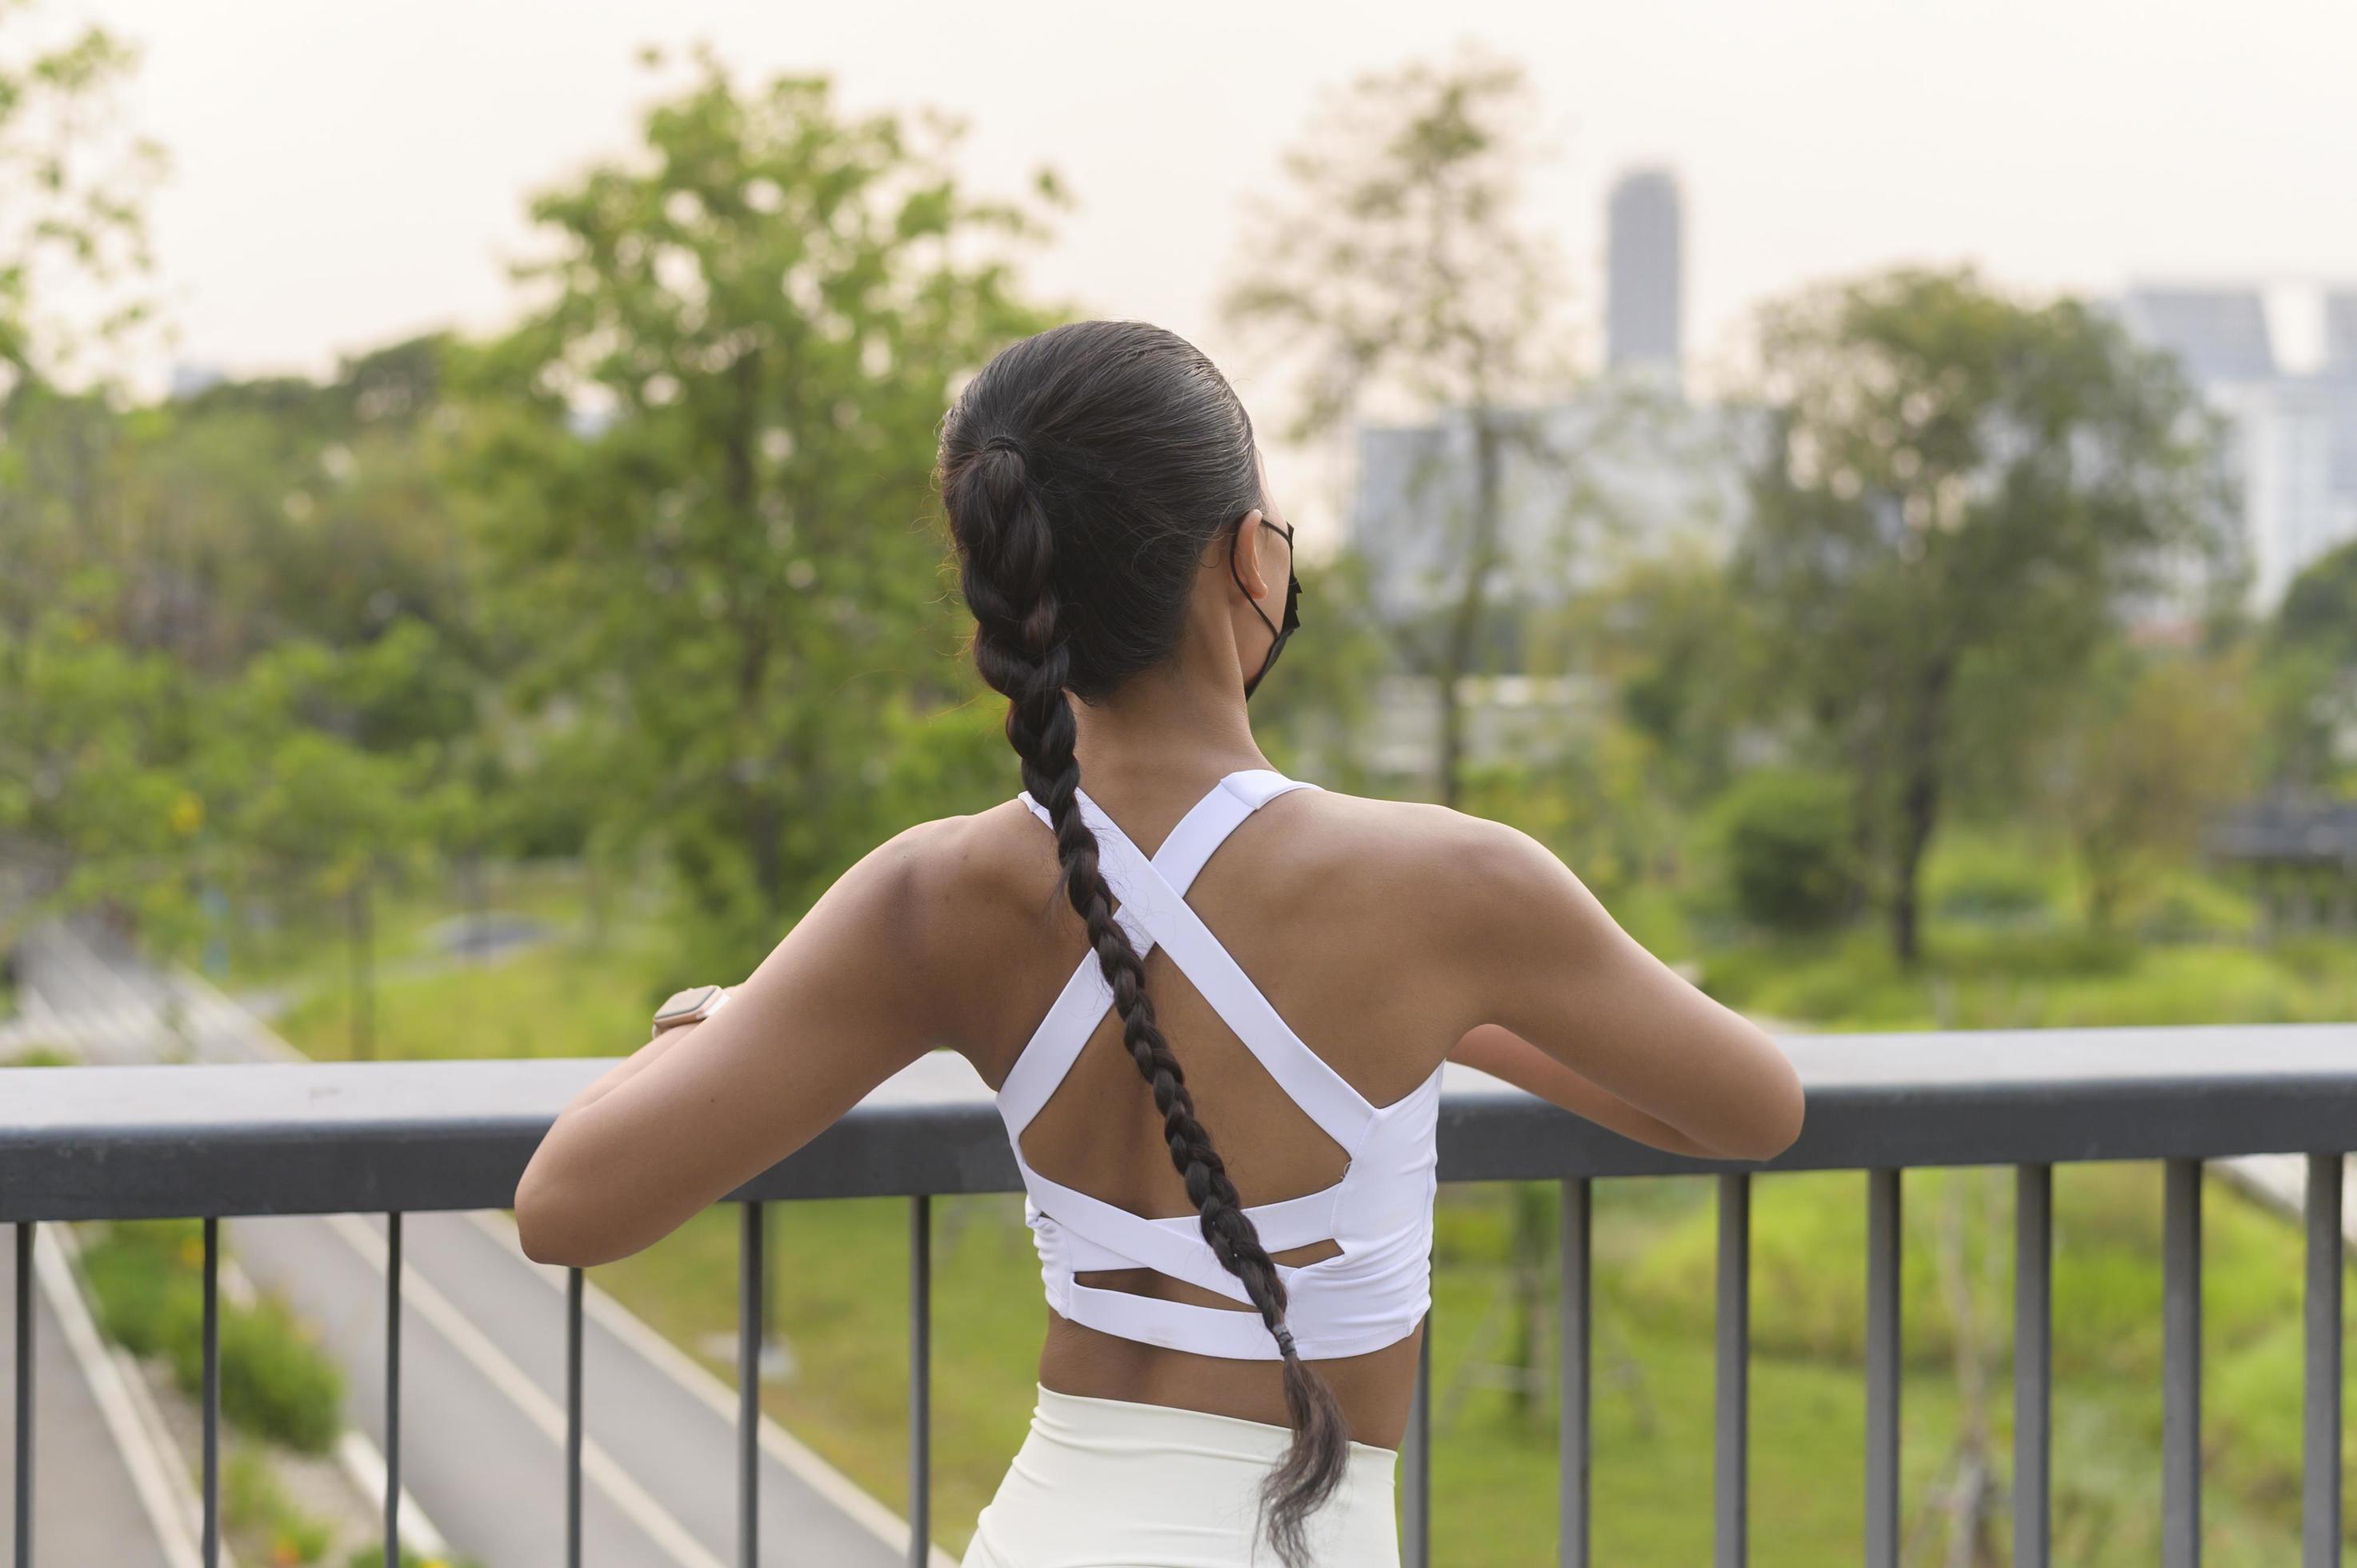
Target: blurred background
<point>1873,488</point>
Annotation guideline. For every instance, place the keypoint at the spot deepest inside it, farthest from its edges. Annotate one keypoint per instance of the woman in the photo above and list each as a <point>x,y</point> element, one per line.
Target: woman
<point>1236,1251</point>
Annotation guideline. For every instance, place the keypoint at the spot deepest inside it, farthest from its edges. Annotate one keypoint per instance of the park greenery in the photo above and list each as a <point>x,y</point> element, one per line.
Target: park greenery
<point>632,617</point>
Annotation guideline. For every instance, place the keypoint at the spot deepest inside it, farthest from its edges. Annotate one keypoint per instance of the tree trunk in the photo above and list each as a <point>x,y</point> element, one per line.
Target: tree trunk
<point>1465,624</point>
<point>1918,809</point>
<point>361,927</point>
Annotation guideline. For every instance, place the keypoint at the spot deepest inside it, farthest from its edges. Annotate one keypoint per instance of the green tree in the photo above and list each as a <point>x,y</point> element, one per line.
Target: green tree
<point>1401,266</point>
<point>301,811</point>
<point>2309,678</point>
<point>2155,745</point>
<point>1966,492</point>
<point>85,726</point>
<point>212,590</point>
<point>73,236</point>
<point>1671,636</point>
<point>704,470</point>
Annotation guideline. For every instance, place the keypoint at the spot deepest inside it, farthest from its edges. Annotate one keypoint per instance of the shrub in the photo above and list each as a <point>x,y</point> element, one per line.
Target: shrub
<point>1992,881</point>
<point>257,1510</point>
<point>1785,840</point>
<point>273,1381</point>
<point>135,1271</point>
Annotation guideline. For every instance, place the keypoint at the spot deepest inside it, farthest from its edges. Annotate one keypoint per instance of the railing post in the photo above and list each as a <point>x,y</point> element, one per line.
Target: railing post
<point>751,1280</point>
<point>1415,1480</point>
<point>1882,1366</point>
<point>393,1389</point>
<point>920,1380</point>
<point>2181,1370</point>
<point>573,1418</point>
<point>1572,1350</point>
<point>2033,1361</point>
<point>24,1393</point>
<point>2320,1442</point>
<point>210,1394</point>
<point>1729,1487</point>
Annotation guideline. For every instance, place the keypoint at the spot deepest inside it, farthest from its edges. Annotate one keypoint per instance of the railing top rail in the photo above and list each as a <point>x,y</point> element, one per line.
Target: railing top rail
<point>126,1142</point>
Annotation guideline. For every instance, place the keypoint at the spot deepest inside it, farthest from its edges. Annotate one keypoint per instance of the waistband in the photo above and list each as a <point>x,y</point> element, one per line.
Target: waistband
<point>1103,1423</point>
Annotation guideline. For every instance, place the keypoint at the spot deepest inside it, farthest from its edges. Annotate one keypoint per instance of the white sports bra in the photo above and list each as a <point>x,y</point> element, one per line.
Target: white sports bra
<point>1377,1289</point>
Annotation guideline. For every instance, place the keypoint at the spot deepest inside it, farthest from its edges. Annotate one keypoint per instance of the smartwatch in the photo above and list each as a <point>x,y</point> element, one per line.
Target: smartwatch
<point>692,1005</point>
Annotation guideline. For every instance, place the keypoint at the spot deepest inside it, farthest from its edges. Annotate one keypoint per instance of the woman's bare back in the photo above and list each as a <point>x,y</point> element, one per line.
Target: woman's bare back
<point>1318,895</point>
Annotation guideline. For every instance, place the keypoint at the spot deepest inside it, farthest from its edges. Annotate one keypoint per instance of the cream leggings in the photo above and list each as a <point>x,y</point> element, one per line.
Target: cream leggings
<point>1109,1484</point>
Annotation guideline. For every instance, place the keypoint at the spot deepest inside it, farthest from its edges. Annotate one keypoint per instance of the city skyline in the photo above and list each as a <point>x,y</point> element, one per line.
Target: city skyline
<point>391,210</point>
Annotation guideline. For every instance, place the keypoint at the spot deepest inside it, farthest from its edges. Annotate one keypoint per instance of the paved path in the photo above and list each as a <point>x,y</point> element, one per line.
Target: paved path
<point>484,1346</point>
<point>86,1508</point>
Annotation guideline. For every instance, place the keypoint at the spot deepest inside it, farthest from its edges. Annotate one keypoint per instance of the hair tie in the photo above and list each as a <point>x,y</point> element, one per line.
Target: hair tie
<point>1285,1342</point>
<point>1006,444</point>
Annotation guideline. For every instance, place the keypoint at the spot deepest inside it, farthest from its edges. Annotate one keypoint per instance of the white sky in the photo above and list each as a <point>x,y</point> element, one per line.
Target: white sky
<point>349,172</point>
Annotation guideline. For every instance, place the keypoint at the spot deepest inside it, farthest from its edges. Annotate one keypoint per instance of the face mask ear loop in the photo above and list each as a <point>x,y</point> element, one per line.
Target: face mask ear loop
<point>1276,638</point>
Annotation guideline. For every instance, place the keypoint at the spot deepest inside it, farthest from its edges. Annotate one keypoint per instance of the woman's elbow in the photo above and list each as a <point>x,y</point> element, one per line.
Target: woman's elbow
<point>555,1224</point>
<point>1774,1124</point>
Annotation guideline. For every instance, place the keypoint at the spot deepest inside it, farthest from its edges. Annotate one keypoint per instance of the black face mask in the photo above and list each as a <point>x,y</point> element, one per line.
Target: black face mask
<point>1292,623</point>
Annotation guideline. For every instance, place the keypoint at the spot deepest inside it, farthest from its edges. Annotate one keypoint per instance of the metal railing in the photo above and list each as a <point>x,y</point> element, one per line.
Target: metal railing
<point>170,1142</point>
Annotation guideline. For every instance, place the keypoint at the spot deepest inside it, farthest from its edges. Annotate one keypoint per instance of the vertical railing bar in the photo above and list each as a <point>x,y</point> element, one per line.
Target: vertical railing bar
<point>1575,1338</point>
<point>2180,1371</point>
<point>2033,1362</point>
<point>24,1500</point>
<point>2320,1442</point>
<point>1415,1482</point>
<point>920,1380</point>
<point>751,1273</point>
<point>211,1393</point>
<point>393,1389</point>
<point>573,1418</point>
<point>1730,1485</point>
<point>1882,1366</point>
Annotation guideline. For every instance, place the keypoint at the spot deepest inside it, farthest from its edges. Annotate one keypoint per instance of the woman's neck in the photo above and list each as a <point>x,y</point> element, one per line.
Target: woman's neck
<point>1163,727</point>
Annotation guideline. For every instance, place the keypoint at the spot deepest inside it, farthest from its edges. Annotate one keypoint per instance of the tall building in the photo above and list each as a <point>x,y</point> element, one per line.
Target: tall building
<point>2292,437</point>
<point>1627,467</point>
<point>2340,332</point>
<point>1645,288</point>
<point>2218,334</point>
<point>1585,486</point>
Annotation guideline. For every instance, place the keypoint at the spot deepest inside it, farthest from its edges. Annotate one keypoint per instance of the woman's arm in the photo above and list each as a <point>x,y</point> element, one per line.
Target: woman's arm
<point>1647,1053</point>
<point>701,1110</point>
<point>1504,1055</point>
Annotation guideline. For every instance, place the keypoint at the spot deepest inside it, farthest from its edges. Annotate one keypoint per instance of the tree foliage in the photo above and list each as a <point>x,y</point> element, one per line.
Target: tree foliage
<point>1967,493</point>
<point>704,470</point>
<point>1401,266</point>
<point>2154,745</point>
<point>2307,679</point>
<point>73,236</point>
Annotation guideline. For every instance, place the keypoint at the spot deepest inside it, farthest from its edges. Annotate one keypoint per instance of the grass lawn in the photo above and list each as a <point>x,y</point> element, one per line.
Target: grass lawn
<point>567,998</point>
<point>843,1285</point>
<point>843,1309</point>
<point>1977,980</point>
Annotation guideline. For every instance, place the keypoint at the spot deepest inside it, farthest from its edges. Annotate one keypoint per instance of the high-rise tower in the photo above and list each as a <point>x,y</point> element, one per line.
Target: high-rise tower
<point>1644,272</point>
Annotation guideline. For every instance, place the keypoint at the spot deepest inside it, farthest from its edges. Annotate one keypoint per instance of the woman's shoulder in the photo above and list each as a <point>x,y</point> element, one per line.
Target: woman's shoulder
<point>1410,838</point>
<point>987,855</point>
<point>975,868</point>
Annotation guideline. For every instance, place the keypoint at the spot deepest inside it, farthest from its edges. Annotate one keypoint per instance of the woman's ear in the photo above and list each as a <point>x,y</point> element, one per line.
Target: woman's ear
<point>1248,561</point>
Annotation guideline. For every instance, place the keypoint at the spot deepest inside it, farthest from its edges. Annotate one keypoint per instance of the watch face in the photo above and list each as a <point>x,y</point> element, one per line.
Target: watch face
<point>684,1005</point>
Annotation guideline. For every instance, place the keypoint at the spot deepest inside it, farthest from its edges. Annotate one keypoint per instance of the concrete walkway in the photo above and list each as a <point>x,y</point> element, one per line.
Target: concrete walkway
<point>484,1346</point>
<point>87,1506</point>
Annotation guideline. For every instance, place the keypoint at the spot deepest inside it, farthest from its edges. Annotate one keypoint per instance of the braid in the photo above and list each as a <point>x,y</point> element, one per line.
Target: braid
<point>1022,651</point>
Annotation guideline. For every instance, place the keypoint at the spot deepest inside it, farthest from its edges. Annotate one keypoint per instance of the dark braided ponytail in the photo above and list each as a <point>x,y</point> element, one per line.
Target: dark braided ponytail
<point>1085,471</point>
